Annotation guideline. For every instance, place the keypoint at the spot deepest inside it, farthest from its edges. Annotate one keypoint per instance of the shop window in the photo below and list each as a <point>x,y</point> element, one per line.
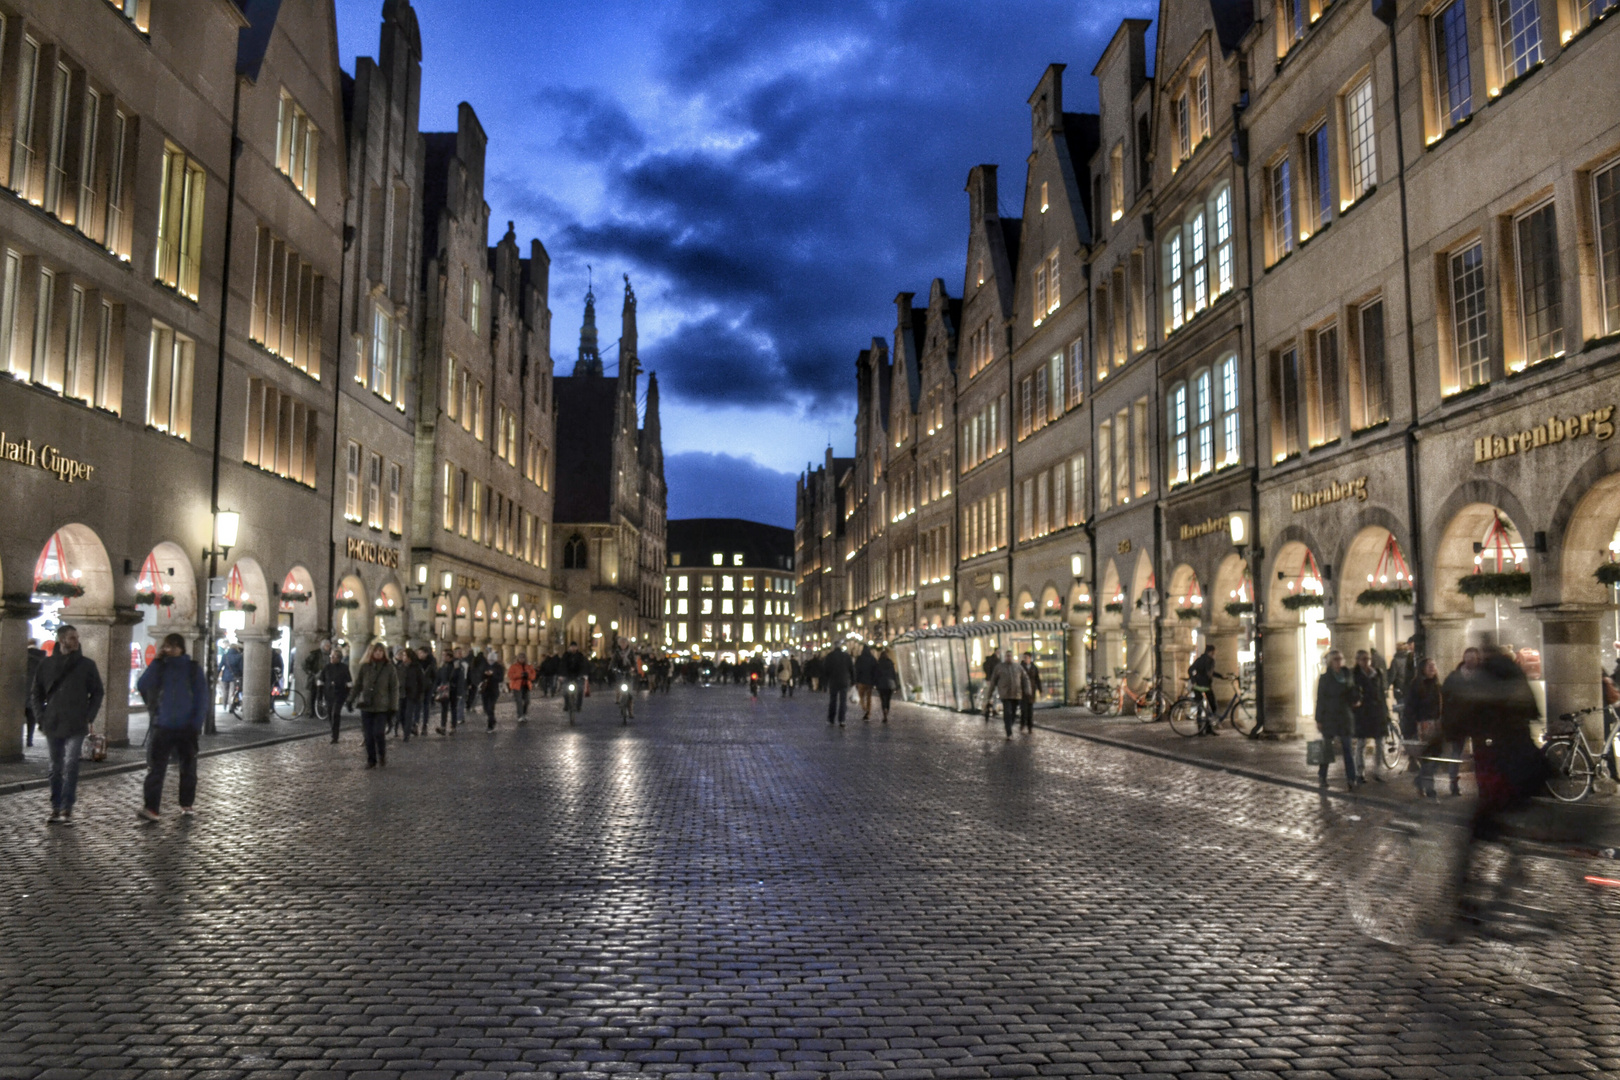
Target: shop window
<point>1360,139</point>
<point>169,382</point>
<point>1606,198</point>
<point>297,146</point>
<point>1453,81</point>
<point>180,221</point>
<point>1540,285</point>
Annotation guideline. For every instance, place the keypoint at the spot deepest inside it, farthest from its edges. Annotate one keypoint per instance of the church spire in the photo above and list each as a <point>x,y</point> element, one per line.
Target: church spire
<point>590,360</point>
<point>629,360</point>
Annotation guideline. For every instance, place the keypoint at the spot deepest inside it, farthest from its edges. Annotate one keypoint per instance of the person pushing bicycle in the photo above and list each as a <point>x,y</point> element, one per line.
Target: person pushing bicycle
<point>1201,676</point>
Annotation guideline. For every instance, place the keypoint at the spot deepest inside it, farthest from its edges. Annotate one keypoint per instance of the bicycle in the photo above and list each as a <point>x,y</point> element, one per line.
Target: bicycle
<point>573,698</point>
<point>1191,714</point>
<point>1526,908</point>
<point>627,703</point>
<point>1571,763</point>
<point>1103,699</point>
<point>289,703</point>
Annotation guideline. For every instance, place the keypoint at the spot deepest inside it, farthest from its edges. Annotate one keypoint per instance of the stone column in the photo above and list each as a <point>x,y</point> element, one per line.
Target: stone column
<point>15,611</point>
<point>1572,665</point>
<point>255,676</point>
<point>1108,650</point>
<point>95,639</point>
<point>1350,637</point>
<point>304,643</point>
<point>1225,639</point>
<point>1445,638</point>
<point>116,707</point>
<point>1280,654</point>
<point>1139,653</point>
<point>1075,682</point>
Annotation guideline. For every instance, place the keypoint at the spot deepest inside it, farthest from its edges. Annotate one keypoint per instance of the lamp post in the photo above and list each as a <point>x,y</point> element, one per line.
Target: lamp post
<point>227,525</point>
<point>1240,528</point>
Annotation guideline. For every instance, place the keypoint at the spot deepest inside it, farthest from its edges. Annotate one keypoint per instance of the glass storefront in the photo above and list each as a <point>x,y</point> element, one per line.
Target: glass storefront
<point>945,666</point>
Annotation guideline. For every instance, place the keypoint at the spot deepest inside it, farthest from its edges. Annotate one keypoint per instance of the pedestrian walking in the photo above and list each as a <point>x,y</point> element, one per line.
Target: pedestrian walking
<point>67,695</point>
<point>992,660</point>
<point>1026,713</point>
<point>1420,724</point>
<point>175,690</point>
<point>36,656</point>
<point>1457,696</point>
<point>865,679</point>
<point>335,682</point>
<point>230,676</point>
<point>784,675</point>
<point>376,692</point>
<point>1403,668</point>
<point>1372,709</point>
<point>887,680</point>
<point>1335,718</point>
<point>1201,684</point>
<point>1011,683</point>
<point>449,689</point>
<point>314,660</point>
<point>814,673</point>
<point>414,682</point>
<point>489,688</point>
<point>549,666</point>
<point>475,676</point>
<point>520,679</point>
<point>838,672</point>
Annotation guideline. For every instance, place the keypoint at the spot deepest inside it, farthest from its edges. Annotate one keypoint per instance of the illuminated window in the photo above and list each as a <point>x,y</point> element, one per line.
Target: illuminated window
<point>1470,317</point>
<point>449,510</point>
<point>1045,201</point>
<point>180,221</point>
<point>1519,30</point>
<point>1606,197</point>
<point>351,489</point>
<point>1318,179</point>
<point>1540,284</point>
<point>169,382</point>
<point>1367,397</point>
<point>1448,29</point>
<point>1116,182</point>
<point>1285,404</point>
<point>1180,462</point>
<point>374,489</point>
<point>1322,386</point>
<point>280,434</point>
<point>1281,217</point>
<point>1359,136</point>
<point>286,311</point>
<point>297,146</point>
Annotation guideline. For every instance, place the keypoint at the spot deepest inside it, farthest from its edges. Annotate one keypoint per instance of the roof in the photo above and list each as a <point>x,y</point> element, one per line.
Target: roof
<point>1011,228</point>
<point>1233,18</point>
<point>697,540</point>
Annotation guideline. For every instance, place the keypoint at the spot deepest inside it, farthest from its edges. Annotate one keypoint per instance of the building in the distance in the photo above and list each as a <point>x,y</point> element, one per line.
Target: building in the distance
<point>729,588</point>
<point>610,502</point>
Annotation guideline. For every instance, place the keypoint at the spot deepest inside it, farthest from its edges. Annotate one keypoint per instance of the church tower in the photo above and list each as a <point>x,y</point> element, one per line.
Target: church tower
<point>590,359</point>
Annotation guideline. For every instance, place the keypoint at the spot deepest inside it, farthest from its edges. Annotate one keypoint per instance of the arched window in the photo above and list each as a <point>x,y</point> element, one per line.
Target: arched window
<point>574,554</point>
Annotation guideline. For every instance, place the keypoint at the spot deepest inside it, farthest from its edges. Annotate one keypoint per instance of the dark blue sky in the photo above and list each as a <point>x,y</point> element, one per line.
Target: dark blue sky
<point>769,172</point>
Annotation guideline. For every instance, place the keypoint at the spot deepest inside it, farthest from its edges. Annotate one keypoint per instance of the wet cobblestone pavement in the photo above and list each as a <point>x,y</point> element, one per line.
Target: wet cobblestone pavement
<point>727,888</point>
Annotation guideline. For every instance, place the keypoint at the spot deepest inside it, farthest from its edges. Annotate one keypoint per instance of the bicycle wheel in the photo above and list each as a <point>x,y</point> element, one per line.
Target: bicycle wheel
<point>288,705</point>
<point>322,712</point>
<point>1241,718</point>
<point>1186,717</point>
<point>1570,770</point>
<point>1392,749</point>
<point>1098,699</point>
<point>1153,705</point>
<point>1400,887</point>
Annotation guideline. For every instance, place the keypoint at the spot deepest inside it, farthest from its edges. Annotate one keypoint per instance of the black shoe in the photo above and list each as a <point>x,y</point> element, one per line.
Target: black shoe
<point>371,764</point>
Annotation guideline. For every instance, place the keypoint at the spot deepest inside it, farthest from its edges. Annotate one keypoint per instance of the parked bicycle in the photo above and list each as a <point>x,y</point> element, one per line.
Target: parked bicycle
<point>1191,714</point>
<point>288,703</point>
<point>1571,760</point>
<point>1105,698</point>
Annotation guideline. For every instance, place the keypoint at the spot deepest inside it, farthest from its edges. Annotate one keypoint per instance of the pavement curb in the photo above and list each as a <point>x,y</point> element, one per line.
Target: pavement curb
<point>16,786</point>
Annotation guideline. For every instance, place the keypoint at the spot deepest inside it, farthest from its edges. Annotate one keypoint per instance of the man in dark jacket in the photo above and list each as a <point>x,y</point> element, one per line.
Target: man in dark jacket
<point>838,673</point>
<point>491,678</point>
<point>175,690</point>
<point>1402,669</point>
<point>865,679</point>
<point>1201,682</point>
<point>335,680</point>
<point>992,660</point>
<point>36,656</point>
<point>67,695</point>
<point>475,677</point>
<point>413,684</point>
<point>450,686</point>
<point>1026,712</point>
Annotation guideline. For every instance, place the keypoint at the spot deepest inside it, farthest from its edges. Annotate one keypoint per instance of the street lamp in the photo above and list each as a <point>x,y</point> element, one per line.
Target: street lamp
<point>226,525</point>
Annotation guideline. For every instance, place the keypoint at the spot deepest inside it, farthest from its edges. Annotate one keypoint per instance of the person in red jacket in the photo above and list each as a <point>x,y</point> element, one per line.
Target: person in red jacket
<point>520,678</point>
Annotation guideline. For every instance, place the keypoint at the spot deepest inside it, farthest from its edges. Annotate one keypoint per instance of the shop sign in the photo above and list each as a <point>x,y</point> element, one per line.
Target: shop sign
<point>45,456</point>
<point>367,551</point>
<point>1205,528</point>
<point>532,599</point>
<point>1124,547</point>
<point>1334,492</point>
<point>470,583</point>
<point>1598,423</point>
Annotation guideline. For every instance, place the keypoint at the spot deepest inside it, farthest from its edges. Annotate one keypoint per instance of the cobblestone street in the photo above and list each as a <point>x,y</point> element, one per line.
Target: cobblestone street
<point>732,888</point>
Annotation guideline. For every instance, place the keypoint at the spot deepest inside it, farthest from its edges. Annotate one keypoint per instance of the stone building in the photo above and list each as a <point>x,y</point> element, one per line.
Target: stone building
<point>866,495</point>
<point>484,424</point>
<point>730,588</point>
<point>1335,258</point>
<point>935,450</point>
<point>611,502</point>
<point>381,312</point>
<point>895,603</point>
<point>135,332</point>
<point>818,550</point>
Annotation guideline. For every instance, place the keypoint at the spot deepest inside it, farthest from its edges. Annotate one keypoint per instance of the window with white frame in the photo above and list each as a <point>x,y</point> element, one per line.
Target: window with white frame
<point>1470,317</point>
<point>382,353</point>
<point>298,144</point>
<point>1104,443</point>
<point>1183,126</point>
<point>1535,235</point>
<point>448,507</point>
<point>1198,253</point>
<point>1518,28</point>
<point>1230,396</point>
<point>396,509</point>
<point>374,490</point>
<point>1077,489</point>
<point>1225,270</point>
<point>1174,297</point>
<point>169,382</point>
<point>1180,460</point>
<point>1200,96</point>
<point>1048,289</point>
<point>352,505</point>
<point>1280,208</point>
<point>1360,139</point>
<point>1606,218</point>
<point>1203,406</point>
<point>1453,83</point>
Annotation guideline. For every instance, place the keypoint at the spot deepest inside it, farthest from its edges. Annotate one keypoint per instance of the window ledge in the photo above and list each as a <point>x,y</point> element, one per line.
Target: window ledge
<point>1280,260</point>
<point>1320,229</point>
<point>182,297</point>
<point>72,230</point>
<point>1370,429</point>
<point>1328,445</point>
<point>1514,83</point>
<point>1459,395</point>
<point>262,471</point>
<point>1536,365</point>
<point>1601,342</point>
<point>1365,195</point>
<point>1449,132</point>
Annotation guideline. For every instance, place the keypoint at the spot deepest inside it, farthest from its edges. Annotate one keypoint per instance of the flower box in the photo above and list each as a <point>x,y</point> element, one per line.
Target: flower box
<point>1188,614</point>
<point>58,587</point>
<point>1239,607</point>
<point>346,603</point>
<point>1508,583</point>
<point>1608,573</point>
<point>294,597</point>
<point>1114,606</point>
<point>1300,601</point>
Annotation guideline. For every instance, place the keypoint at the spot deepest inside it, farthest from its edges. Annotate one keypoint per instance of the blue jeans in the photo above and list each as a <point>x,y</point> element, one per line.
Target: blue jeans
<point>64,770</point>
<point>1347,754</point>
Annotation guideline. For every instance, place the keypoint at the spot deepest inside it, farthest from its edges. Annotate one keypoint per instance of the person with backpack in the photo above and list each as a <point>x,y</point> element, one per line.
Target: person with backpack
<point>175,690</point>
<point>67,695</point>
<point>520,679</point>
<point>376,692</point>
